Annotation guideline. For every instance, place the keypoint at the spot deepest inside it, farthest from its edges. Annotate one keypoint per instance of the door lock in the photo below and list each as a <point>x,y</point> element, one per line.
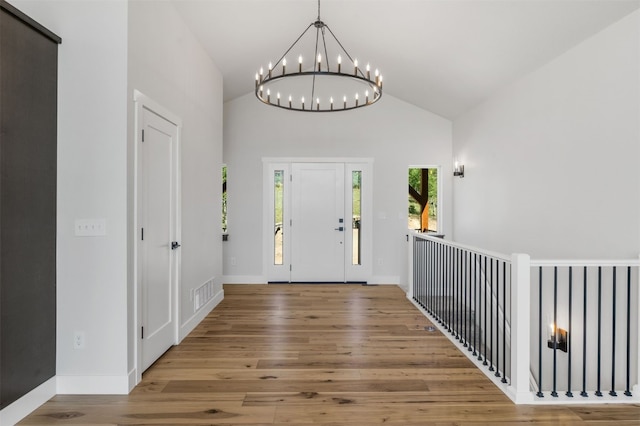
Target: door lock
<point>340,229</point>
<point>174,245</point>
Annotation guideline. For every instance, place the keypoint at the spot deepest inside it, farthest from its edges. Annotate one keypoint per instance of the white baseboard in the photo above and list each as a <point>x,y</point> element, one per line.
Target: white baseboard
<point>93,385</point>
<point>244,279</point>
<point>133,374</point>
<point>197,318</point>
<point>18,410</point>
<point>381,279</point>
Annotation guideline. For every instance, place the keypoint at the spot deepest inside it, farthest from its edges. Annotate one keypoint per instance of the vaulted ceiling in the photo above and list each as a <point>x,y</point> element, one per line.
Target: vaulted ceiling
<point>445,56</point>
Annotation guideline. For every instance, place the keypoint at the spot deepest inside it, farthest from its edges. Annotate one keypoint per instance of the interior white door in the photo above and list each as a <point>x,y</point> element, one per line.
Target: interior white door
<point>157,222</point>
<point>318,222</point>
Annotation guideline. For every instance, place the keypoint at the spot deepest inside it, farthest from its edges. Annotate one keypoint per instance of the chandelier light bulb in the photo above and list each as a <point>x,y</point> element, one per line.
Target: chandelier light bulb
<point>355,67</point>
<point>339,63</point>
<point>284,66</point>
<point>368,72</point>
<point>257,79</point>
<point>331,100</point>
<point>270,68</point>
<point>318,103</point>
<point>300,63</point>
<point>366,96</point>
<point>289,101</point>
<point>319,61</point>
<point>278,96</point>
<point>344,100</point>
<point>269,95</point>
<point>303,102</point>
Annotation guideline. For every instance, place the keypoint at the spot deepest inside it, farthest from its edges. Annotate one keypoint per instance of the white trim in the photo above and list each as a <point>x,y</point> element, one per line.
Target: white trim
<point>495,255</point>
<point>244,279</point>
<point>133,374</point>
<point>142,102</point>
<point>196,318</point>
<point>578,263</point>
<point>93,385</point>
<point>21,408</point>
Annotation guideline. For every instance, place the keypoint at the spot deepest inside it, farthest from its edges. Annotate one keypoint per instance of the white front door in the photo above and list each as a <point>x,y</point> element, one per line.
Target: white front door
<point>157,230</point>
<point>318,223</point>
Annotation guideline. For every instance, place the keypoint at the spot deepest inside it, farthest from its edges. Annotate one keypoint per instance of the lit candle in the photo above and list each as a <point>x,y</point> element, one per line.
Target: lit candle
<point>261,73</point>
<point>319,61</point>
<point>368,72</point>
<point>366,96</point>
<point>278,96</point>
<point>339,63</point>
<point>270,68</point>
<point>331,100</point>
<point>355,67</point>
<point>300,63</point>
<point>303,102</point>
<point>380,84</point>
<point>356,99</point>
<point>317,104</point>
<point>261,87</point>
<point>257,80</point>
<point>284,66</point>
<point>268,95</point>
<point>377,74</point>
<point>345,101</point>
<point>289,101</point>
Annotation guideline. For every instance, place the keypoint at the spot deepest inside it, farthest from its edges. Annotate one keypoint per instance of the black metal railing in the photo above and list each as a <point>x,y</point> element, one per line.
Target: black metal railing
<point>467,292</point>
<point>587,327</point>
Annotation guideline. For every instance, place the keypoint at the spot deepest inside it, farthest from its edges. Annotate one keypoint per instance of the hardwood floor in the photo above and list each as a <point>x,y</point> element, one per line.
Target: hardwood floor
<point>322,354</point>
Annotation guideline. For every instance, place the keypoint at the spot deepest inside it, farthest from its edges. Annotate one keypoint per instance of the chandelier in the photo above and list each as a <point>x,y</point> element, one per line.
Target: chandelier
<point>314,83</point>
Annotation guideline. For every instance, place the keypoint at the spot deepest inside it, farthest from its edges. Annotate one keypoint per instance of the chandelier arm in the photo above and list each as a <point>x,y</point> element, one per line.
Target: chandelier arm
<point>326,53</point>
<point>343,49</point>
<point>294,43</point>
<point>313,82</point>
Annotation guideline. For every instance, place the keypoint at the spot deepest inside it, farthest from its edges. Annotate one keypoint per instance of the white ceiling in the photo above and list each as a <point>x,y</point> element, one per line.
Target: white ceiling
<point>445,56</point>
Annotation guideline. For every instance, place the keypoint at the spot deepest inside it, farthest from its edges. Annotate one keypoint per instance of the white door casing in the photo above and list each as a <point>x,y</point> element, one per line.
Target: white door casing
<point>303,199</point>
<point>157,227</point>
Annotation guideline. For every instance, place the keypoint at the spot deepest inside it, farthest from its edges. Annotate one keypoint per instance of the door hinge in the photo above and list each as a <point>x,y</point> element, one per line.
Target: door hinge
<point>142,135</point>
<point>290,269</point>
<point>142,234</point>
<point>290,178</point>
<point>142,332</point>
<point>290,222</point>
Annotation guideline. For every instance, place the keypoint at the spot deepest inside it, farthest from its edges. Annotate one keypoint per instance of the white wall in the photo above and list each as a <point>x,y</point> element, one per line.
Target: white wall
<point>92,183</point>
<point>167,64</point>
<point>551,161</point>
<point>110,48</point>
<point>395,134</point>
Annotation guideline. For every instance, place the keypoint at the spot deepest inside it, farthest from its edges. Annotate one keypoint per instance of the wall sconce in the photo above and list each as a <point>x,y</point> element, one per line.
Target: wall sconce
<point>558,339</point>
<point>458,169</point>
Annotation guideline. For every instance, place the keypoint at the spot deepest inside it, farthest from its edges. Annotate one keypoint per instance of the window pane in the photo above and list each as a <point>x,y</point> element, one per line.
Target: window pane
<point>356,190</point>
<point>278,206</point>
<point>423,200</point>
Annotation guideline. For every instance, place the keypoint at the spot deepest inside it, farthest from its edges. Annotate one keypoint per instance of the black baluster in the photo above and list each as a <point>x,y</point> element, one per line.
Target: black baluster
<point>485,312</point>
<point>475,303</point>
<point>569,393</point>
<point>584,337</point>
<point>498,318</point>
<point>539,393</point>
<point>491,349</point>
<point>554,393</point>
<point>627,391</point>
<point>612,392</point>
<point>504,322</point>
<point>598,392</point>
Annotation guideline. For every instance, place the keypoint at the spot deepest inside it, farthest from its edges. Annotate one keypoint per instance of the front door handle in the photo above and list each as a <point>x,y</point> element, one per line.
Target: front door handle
<point>340,229</point>
<point>174,245</point>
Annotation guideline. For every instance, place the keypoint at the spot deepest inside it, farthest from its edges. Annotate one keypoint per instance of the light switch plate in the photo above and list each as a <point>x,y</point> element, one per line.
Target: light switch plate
<point>90,227</point>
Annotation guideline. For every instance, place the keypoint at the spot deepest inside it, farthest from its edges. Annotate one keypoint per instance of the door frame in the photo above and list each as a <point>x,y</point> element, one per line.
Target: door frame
<point>281,273</point>
<point>141,103</point>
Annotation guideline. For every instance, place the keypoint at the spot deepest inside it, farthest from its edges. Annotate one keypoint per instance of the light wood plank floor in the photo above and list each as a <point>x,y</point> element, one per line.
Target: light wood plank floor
<point>322,354</point>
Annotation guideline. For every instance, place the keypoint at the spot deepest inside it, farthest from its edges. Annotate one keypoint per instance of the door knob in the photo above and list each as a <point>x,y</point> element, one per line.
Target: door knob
<point>174,245</point>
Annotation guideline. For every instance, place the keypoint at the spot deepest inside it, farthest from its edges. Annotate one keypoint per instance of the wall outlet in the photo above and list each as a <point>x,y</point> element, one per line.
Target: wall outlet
<point>78,340</point>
